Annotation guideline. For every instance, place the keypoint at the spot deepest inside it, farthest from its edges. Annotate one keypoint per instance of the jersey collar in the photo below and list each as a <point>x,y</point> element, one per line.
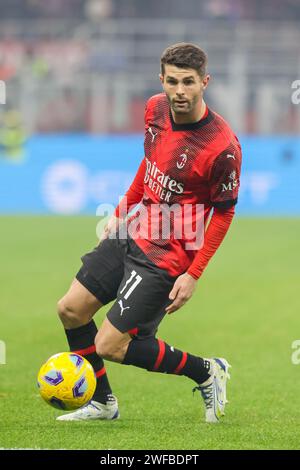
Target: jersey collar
<point>193,125</point>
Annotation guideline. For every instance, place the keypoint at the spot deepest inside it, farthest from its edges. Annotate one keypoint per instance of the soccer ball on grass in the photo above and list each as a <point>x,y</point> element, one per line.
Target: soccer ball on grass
<point>67,381</point>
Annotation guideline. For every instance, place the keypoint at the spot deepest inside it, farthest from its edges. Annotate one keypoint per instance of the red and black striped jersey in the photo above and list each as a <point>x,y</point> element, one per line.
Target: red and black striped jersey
<point>184,164</point>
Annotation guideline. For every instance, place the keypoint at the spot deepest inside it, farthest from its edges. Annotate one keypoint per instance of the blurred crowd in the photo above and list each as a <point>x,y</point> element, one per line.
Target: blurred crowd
<point>97,9</point>
<point>88,65</point>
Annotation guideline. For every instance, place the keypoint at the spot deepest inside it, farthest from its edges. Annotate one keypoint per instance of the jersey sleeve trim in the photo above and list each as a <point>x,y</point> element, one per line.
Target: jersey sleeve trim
<point>225,204</point>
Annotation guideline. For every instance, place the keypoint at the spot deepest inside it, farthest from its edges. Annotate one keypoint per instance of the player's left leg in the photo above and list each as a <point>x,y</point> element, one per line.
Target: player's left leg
<point>141,301</point>
<point>111,344</point>
<point>155,355</point>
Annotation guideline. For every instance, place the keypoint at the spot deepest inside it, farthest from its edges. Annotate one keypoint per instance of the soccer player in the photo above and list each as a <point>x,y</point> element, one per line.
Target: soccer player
<point>192,159</point>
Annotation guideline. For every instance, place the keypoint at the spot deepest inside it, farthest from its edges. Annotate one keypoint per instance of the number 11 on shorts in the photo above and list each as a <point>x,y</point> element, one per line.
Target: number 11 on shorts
<point>133,277</point>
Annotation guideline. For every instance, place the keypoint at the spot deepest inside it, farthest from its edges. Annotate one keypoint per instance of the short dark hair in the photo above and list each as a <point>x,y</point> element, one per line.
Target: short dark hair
<point>184,55</point>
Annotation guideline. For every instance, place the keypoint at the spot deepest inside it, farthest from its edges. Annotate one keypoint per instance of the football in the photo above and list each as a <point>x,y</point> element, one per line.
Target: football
<point>66,381</point>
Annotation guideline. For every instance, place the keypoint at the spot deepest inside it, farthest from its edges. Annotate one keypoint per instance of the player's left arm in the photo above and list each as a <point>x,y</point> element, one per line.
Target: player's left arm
<point>224,186</point>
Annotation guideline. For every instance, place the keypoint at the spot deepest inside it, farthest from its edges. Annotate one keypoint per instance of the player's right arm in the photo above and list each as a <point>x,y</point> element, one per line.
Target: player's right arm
<point>134,194</point>
<point>132,197</point>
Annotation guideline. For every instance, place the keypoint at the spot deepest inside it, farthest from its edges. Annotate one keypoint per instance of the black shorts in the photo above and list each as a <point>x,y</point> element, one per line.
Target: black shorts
<point>118,269</point>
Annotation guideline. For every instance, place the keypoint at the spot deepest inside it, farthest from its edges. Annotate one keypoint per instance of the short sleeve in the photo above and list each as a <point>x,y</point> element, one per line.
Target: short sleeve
<point>225,178</point>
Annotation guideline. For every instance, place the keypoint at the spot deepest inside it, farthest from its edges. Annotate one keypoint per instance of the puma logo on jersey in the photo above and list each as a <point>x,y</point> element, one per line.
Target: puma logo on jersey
<point>153,135</point>
<point>230,156</point>
<point>122,308</point>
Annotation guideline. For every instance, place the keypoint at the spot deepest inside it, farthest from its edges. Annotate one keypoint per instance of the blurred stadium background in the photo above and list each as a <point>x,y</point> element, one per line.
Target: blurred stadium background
<point>77,75</point>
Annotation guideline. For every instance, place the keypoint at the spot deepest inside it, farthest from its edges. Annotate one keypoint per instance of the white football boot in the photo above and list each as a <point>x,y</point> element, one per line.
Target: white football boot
<point>213,390</point>
<point>94,410</point>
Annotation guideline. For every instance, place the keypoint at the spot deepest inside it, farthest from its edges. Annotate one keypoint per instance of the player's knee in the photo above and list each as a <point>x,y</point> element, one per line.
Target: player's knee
<point>108,350</point>
<point>103,348</point>
<point>65,312</point>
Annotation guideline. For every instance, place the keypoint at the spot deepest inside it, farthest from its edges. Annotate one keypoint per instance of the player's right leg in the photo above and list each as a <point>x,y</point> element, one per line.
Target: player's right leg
<point>78,306</point>
<point>76,310</point>
<point>95,285</point>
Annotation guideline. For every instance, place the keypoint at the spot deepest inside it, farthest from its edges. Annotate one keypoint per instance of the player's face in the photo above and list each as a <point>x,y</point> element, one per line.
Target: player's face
<point>184,89</point>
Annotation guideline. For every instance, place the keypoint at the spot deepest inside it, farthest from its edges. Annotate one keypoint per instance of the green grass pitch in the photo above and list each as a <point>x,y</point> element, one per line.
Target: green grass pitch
<point>246,308</point>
